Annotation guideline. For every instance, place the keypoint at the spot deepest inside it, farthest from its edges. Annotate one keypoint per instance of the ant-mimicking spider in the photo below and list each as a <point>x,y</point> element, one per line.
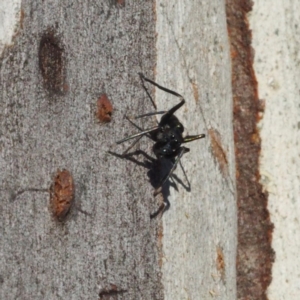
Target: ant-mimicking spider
<point>167,135</point>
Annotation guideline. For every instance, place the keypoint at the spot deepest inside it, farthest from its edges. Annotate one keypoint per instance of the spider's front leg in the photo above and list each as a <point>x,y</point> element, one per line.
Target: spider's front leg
<point>138,138</point>
<point>138,134</point>
<point>165,118</point>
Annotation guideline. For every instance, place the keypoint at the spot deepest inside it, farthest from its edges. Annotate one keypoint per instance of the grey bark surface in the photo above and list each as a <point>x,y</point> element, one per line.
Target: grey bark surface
<point>108,242</point>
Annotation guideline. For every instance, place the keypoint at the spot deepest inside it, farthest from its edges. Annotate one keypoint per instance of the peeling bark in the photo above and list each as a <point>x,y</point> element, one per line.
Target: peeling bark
<point>255,255</point>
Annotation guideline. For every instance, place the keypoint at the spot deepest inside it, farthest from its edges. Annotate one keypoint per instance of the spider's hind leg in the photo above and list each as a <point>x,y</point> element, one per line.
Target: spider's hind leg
<point>183,150</point>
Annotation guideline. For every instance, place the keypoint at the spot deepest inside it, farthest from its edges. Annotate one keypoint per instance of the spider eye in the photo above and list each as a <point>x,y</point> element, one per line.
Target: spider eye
<point>179,127</point>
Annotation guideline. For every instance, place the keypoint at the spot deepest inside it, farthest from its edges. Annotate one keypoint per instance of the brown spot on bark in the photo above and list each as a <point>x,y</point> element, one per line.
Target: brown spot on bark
<point>217,150</point>
<point>119,3</point>
<point>220,262</point>
<point>22,16</point>
<point>52,63</point>
<point>254,254</point>
<point>110,293</point>
<point>160,235</point>
<point>104,109</point>
<point>62,194</point>
<point>195,92</point>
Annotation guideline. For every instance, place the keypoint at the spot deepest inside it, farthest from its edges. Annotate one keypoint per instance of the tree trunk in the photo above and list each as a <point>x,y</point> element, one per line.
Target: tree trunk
<point>276,65</point>
<point>67,62</point>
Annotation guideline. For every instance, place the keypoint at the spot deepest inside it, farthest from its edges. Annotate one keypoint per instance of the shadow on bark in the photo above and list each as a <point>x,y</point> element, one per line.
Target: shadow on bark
<point>157,170</point>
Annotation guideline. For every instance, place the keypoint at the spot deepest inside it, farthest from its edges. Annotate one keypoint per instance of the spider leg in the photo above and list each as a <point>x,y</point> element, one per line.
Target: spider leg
<point>128,118</point>
<point>131,146</point>
<point>148,114</point>
<point>188,185</point>
<point>143,132</point>
<point>147,92</point>
<point>162,209</point>
<point>170,112</point>
<point>159,86</point>
<point>137,140</point>
<point>191,138</point>
<point>182,151</point>
<point>138,134</point>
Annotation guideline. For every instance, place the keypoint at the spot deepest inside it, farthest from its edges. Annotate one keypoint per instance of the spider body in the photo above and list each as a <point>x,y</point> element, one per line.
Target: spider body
<point>167,135</point>
<point>168,138</point>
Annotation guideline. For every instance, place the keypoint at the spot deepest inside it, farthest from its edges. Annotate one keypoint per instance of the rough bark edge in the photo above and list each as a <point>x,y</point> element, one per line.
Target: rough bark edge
<point>255,255</point>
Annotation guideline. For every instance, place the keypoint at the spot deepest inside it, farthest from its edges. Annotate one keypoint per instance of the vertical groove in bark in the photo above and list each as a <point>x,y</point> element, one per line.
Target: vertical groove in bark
<point>254,254</point>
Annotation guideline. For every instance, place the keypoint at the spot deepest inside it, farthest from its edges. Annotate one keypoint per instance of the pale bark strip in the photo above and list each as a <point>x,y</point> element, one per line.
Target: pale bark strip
<point>275,31</point>
<point>199,239</point>
<point>10,23</point>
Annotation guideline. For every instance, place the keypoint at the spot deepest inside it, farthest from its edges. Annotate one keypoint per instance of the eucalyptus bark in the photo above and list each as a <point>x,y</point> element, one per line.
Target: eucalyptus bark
<point>65,56</point>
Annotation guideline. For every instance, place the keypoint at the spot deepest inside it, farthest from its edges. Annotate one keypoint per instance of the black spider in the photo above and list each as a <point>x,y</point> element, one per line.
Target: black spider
<point>167,135</point>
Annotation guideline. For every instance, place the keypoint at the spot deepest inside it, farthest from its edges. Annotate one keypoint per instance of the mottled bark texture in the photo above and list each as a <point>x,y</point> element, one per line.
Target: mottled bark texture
<point>65,55</point>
